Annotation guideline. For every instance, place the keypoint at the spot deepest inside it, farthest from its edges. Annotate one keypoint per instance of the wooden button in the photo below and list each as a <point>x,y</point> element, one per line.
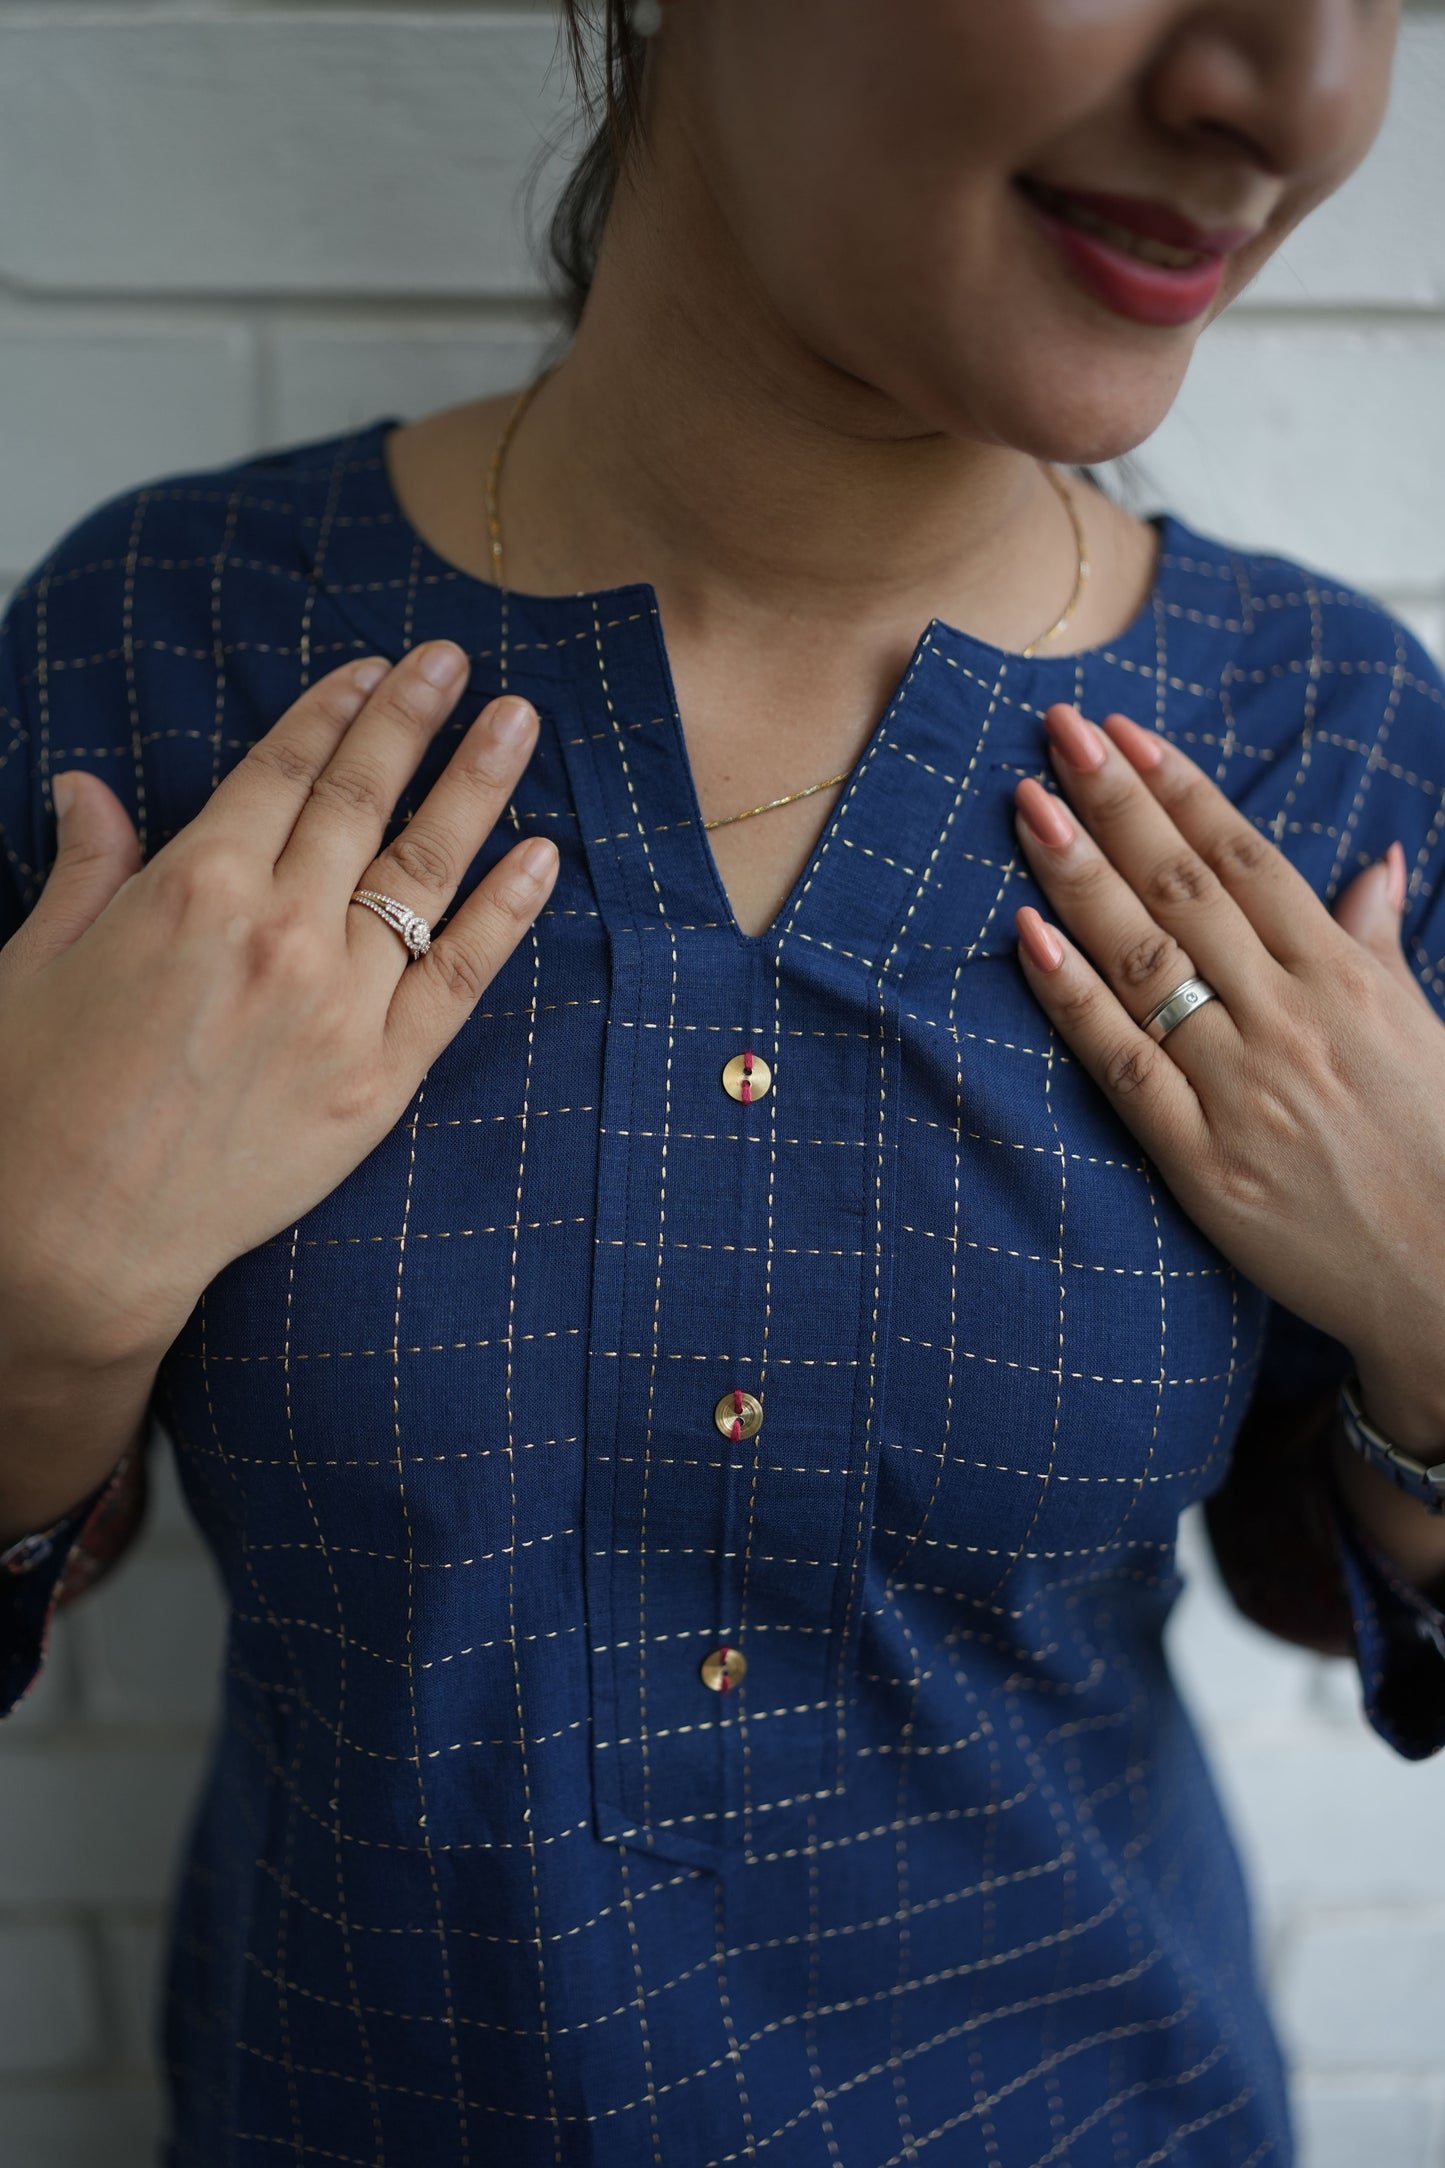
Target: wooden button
<point>738,1414</point>
<point>746,1077</point>
<point>723,1668</point>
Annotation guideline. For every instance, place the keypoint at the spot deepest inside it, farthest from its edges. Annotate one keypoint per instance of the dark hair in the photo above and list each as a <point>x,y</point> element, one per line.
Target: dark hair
<point>606,58</point>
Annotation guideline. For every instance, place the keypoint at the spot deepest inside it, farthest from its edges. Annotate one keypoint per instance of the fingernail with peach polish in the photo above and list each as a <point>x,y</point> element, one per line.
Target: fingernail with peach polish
<point>1395,887</point>
<point>1044,815</point>
<point>1038,941</point>
<point>1081,744</point>
<point>1139,746</point>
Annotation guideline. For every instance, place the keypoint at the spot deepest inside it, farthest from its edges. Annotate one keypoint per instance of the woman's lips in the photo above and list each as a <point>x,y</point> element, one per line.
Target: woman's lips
<point>1107,267</point>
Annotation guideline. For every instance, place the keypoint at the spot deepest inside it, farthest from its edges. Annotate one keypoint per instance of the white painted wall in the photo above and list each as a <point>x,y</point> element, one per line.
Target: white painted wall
<point>226,224</point>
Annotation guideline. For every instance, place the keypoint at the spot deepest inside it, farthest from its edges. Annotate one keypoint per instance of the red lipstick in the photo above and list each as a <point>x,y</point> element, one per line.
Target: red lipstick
<point>1094,233</point>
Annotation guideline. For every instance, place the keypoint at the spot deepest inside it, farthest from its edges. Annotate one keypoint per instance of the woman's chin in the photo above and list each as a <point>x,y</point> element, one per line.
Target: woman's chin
<point>1039,386</point>
<point>1090,439</point>
<point>1075,423</point>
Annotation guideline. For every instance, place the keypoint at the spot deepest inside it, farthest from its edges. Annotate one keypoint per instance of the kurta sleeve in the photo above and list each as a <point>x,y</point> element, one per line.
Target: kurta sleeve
<point>1288,1544</point>
<point>1399,1642</point>
<point>42,1573</point>
<point>1297,1562</point>
<point>49,1568</point>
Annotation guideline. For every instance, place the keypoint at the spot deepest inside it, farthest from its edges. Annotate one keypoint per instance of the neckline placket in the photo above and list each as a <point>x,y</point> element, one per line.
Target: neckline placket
<point>695,1542</point>
<point>710,1213</point>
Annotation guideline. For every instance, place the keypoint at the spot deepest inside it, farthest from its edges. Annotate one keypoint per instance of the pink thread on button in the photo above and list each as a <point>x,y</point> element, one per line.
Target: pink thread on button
<point>724,1683</point>
<point>747,1089</point>
<point>737,1429</point>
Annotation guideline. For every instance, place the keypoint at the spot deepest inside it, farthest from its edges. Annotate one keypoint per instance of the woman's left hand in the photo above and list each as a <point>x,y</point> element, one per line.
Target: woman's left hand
<point>1300,1117</point>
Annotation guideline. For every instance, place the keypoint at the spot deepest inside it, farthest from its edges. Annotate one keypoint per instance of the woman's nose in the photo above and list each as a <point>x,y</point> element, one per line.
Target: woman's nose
<point>1298,86</point>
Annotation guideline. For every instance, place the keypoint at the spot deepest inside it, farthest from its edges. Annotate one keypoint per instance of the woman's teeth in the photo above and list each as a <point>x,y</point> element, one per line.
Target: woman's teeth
<point>1120,237</point>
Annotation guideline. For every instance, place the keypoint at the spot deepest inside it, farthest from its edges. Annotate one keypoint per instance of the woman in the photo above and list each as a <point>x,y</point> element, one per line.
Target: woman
<point>691,1377</point>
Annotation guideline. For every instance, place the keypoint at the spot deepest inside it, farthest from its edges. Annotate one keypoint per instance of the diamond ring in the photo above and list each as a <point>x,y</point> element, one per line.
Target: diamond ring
<point>412,927</point>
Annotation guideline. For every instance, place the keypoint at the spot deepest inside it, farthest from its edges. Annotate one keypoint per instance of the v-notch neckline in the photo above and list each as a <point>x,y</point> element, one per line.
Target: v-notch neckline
<point>781,924</point>
<point>546,627</point>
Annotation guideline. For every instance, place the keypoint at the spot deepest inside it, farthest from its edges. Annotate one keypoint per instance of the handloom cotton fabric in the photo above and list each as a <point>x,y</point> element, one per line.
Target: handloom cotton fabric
<point>483,1871</point>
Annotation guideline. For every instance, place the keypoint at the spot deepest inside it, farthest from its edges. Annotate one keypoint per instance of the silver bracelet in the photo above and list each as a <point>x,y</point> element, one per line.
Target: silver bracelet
<point>1425,1482</point>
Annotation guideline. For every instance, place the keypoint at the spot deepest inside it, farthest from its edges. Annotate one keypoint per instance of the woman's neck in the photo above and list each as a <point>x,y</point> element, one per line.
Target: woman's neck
<point>689,439</point>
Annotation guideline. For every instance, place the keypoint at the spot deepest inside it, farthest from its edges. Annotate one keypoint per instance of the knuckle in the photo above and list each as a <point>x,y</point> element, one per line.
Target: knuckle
<point>1179,880</point>
<point>506,906</point>
<point>410,701</point>
<point>83,850</point>
<point>1354,976</point>
<point>1077,1009</point>
<point>1093,883</point>
<point>1131,1067</point>
<point>279,757</point>
<point>332,1005</point>
<point>282,947</point>
<point>420,858</point>
<point>490,768</point>
<point>352,788</point>
<point>461,972</point>
<point>1114,798</point>
<point>1145,960</point>
<point>522,898</point>
<point>1244,853</point>
<point>1180,790</point>
<point>218,877</point>
<point>335,698</point>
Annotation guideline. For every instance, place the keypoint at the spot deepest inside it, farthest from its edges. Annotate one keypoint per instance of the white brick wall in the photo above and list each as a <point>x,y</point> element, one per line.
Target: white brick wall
<point>233,223</point>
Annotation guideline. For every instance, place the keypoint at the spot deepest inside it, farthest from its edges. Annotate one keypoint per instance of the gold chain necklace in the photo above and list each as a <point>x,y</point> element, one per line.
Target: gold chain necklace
<point>494,534</point>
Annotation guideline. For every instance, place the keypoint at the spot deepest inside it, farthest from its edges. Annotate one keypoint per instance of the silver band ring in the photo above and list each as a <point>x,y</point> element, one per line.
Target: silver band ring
<point>1175,1007</point>
<point>412,927</point>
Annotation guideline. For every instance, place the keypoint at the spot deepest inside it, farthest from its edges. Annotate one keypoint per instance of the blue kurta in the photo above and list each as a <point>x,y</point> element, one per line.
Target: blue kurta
<point>484,1871</point>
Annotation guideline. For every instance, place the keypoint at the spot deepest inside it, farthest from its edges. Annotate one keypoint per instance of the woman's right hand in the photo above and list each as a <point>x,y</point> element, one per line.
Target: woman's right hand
<point>194,1052</point>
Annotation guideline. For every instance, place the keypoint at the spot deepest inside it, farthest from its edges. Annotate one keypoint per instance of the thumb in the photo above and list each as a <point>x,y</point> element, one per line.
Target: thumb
<point>97,851</point>
<point>1371,910</point>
